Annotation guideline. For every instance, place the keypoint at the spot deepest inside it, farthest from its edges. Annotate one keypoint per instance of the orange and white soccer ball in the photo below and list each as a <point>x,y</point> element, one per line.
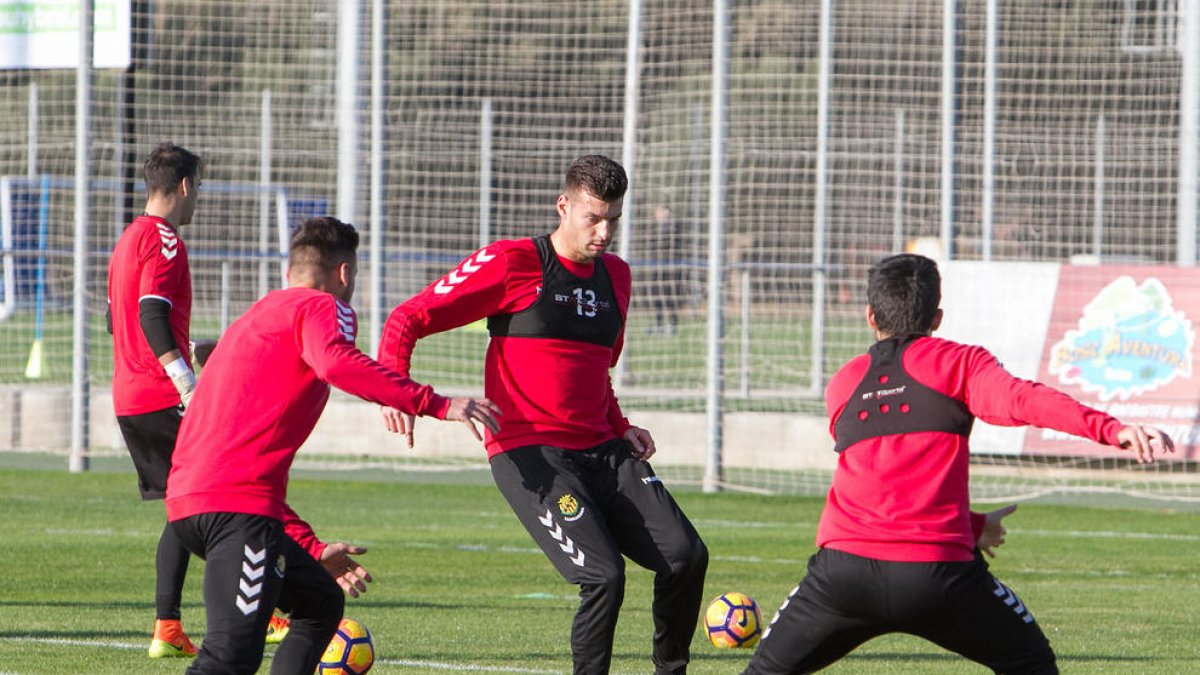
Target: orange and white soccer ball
<point>350,652</point>
<point>733,621</point>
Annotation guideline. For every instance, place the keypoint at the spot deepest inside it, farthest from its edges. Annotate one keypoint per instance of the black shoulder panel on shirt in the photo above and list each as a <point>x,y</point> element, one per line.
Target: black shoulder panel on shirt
<point>888,401</point>
<point>567,308</point>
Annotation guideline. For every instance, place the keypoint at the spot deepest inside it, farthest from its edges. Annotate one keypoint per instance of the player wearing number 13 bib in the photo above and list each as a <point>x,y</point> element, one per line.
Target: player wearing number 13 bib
<point>569,463</point>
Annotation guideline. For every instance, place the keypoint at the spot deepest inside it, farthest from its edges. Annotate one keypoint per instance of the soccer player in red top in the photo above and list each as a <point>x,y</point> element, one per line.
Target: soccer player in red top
<point>896,541</point>
<point>571,466</point>
<point>261,394</point>
<point>150,307</point>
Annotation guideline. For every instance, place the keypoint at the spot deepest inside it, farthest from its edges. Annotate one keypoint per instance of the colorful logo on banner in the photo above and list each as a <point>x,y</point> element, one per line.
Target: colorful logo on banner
<point>1130,340</point>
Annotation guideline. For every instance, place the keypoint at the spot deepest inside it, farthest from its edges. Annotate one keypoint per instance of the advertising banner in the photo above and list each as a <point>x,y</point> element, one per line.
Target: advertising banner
<point>45,34</point>
<point>1122,339</point>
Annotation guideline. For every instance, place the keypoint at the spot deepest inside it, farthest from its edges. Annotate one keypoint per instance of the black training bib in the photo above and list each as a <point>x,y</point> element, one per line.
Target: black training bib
<point>888,401</point>
<point>567,308</point>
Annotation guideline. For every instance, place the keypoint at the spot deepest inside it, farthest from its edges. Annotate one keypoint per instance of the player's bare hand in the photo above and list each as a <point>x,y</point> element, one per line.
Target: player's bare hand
<point>1141,441</point>
<point>399,422</point>
<point>993,531</point>
<point>471,410</point>
<point>348,574</point>
<point>641,442</point>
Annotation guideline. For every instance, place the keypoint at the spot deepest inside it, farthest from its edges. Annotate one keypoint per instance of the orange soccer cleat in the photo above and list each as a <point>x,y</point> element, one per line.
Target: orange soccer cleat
<point>277,628</point>
<point>170,641</point>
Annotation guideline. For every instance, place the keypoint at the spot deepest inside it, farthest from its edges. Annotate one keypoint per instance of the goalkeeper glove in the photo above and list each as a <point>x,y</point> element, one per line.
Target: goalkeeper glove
<point>183,378</point>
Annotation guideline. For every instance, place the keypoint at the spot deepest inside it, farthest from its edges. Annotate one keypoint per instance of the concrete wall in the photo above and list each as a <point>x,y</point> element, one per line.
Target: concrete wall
<point>37,417</point>
<point>759,440</point>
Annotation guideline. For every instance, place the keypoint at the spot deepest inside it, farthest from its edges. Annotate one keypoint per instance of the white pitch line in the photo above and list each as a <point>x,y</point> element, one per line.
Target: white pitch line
<point>1013,533</point>
<point>1101,534</point>
<point>484,548</point>
<point>403,663</point>
<point>99,532</point>
<point>753,524</point>
<point>74,643</point>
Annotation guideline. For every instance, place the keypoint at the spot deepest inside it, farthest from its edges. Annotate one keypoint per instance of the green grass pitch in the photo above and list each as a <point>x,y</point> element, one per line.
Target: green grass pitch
<point>460,588</point>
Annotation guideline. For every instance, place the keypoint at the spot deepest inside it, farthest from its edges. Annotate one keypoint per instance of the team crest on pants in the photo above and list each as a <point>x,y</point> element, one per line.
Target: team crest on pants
<point>569,507</point>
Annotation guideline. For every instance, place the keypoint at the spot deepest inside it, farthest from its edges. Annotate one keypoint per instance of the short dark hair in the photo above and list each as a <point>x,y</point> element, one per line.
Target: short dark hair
<point>599,176</point>
<point>167,166</point>
<point>904,291</point>
<point>323,243</point>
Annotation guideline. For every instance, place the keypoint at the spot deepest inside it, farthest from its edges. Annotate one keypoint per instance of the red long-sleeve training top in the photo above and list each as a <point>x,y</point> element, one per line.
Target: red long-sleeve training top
<point>551,391</point>
<point>903,494</point>
<point>259,397</point>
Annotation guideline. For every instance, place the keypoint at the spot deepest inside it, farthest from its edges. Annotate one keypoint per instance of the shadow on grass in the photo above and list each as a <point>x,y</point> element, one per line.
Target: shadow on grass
<point>83,604</point>
<point>1068,658</point>
<point>948,657</point>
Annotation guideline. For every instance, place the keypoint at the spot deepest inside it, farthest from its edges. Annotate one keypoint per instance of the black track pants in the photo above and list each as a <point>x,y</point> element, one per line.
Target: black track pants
<point>846,600</point>
<point>588,508</point>
<point>252,567</point>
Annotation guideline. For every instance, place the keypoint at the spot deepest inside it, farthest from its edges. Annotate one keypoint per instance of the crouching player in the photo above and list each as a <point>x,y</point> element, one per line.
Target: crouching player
<point>261,395</point>
<point>897,543</point>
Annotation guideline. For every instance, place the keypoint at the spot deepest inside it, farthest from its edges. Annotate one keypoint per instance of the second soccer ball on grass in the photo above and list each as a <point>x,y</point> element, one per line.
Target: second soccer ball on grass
<point>350,652</point>
<point>733,621</point>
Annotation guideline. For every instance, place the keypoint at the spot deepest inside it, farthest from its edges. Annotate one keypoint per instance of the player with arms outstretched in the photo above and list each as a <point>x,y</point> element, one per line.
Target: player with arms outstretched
<point>897,541</point>
<point>568,462</point>
<point>261,395</point>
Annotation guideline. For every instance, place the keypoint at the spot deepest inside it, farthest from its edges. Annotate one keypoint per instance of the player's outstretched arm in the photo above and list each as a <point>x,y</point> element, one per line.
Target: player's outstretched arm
<point>471,410</point>
<point>993,532</point>
<point>1141,441</point>
<point>346,571</point>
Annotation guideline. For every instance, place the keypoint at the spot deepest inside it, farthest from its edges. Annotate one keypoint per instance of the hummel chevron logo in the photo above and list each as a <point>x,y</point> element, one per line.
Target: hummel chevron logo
<point>170,242</point>
<point>1009,598</point>
<point>252,573</point>
<point>473,264</point>
<point>252,570</point>
<point>347,324</point>
<point>255,556</point>
<point>466,267</point>
<point>786,601</point>
<point>564,542</point>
